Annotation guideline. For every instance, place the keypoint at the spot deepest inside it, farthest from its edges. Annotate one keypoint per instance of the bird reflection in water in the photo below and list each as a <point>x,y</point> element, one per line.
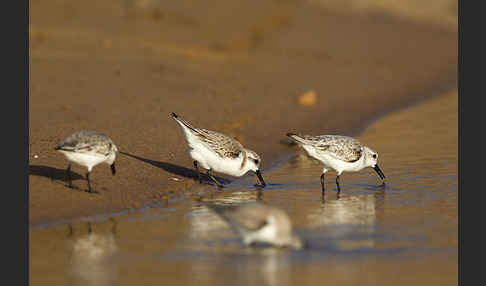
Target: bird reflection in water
<point>351,219</point>
<point>92,259</point>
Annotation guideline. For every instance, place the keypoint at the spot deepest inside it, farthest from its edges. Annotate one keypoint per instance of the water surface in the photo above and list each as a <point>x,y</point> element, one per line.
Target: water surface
<point>399,233</point>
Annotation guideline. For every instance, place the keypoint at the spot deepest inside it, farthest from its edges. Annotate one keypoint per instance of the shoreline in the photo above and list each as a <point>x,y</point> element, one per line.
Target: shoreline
<point>279,160</point>
<point>439,92</point>
<point>124,76</point>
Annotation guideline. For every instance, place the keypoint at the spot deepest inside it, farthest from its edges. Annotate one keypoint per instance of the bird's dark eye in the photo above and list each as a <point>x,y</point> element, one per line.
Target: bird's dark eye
<point>374,156</point>
<point>255,160</point>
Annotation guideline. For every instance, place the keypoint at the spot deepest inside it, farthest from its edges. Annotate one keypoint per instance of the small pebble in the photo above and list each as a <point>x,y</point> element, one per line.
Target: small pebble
<point>308,98</point>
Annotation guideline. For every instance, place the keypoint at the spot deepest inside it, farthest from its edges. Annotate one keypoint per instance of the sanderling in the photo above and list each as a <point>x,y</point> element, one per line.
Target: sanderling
<point>88,149</point>
<point>339,153</point>
<point>259,223</point>
<point>217,152</point>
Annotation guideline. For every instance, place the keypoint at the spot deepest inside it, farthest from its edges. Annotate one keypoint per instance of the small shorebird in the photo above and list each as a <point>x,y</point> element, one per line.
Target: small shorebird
<point>257,222</point>
<point>217,152</point>
<point>339,153</point>
<point>88,149</point>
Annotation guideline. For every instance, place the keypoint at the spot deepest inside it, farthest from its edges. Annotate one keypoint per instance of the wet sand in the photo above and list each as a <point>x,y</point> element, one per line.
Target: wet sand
<point>121,69</point>
<point>403,233</point>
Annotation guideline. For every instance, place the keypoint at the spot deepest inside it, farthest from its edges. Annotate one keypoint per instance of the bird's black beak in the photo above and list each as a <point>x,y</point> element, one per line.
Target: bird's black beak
<point>259,175</point>
<point>379,172</point>
<point>113,170</point>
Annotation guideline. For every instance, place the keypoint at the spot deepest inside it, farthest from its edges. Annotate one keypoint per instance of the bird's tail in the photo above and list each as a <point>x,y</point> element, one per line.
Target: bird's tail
<point>297,138</point>
<point>182,122</point>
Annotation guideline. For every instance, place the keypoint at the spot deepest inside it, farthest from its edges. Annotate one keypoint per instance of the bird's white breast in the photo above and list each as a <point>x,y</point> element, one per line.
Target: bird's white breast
<point>209,159</point>
<point>334,163</point>
<point>267,234</point>
<point>85,159</point>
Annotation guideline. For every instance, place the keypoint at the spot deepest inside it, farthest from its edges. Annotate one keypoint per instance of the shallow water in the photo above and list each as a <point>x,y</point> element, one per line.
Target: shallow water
<point>399,233</point>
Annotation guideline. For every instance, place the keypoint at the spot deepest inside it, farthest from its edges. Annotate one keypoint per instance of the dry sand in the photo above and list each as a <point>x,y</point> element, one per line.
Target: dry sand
<point>239,68</point>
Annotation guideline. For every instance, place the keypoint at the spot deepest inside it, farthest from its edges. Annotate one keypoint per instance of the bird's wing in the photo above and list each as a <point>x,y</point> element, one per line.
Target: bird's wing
<point>223,145</point>
<point>340,147</point>
<point>242,216</point>
<point>88,142</point>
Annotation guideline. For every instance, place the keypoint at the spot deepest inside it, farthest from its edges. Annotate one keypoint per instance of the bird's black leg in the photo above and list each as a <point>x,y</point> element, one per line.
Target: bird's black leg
<point>214,179</point>
<point>115,224</point>
<point>337,184</point>
<point>322,183</point>
<point>70,230</point>
<point>89,185</point>
<point>68,175</point>
<point>259,195</point>
<point>197,171</point>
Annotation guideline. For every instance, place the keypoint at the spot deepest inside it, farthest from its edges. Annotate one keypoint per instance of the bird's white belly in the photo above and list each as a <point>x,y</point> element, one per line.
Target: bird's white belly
<point>333,163</point>
<point>210,160</point>
<point>267,234</point>
<point>85,160</point>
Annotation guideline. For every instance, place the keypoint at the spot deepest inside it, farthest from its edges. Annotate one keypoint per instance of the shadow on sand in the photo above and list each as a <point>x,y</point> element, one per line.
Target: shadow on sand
<point>56,175</point>
<point>178,170</point>
<point>53,173</point>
